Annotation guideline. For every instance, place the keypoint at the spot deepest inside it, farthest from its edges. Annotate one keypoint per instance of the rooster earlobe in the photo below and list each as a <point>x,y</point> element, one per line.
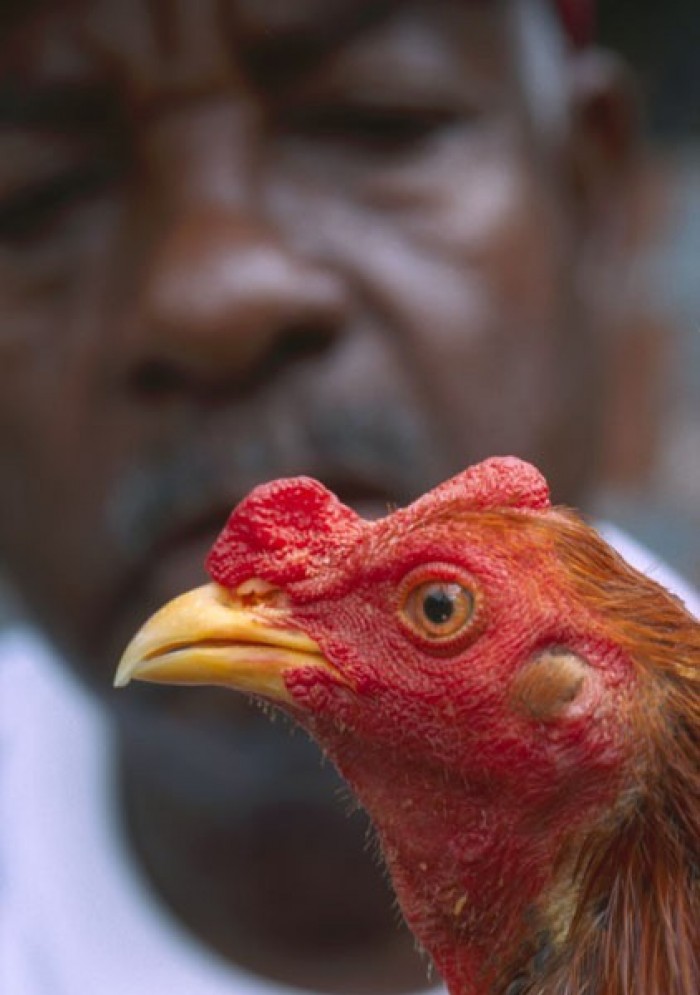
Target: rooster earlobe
<point>499,482</point>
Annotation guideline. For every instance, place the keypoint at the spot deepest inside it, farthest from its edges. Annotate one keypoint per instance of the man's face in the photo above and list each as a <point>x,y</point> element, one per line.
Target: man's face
<point>254,239</point>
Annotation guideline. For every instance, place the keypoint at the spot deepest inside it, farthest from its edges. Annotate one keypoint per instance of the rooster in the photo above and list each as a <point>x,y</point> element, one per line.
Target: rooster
<point>517,709</point>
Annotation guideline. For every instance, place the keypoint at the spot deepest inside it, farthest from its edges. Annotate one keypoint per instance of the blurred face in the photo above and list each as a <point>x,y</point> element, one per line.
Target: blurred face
<point>254,239</point>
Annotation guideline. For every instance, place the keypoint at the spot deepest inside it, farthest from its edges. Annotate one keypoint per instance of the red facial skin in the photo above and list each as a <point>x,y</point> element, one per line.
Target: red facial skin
<point>474,800</point>
<point>540,831</point>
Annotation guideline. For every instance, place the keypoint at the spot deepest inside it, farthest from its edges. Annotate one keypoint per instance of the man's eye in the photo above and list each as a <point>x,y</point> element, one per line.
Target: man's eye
<point>29,211</point>
<point>380,129</point>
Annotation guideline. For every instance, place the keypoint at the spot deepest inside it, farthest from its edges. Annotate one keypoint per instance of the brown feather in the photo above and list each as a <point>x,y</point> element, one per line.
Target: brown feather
<point>636,878</point>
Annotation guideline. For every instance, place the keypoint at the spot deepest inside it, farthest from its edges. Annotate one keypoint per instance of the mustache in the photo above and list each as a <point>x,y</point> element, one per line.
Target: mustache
<point>206,466</point>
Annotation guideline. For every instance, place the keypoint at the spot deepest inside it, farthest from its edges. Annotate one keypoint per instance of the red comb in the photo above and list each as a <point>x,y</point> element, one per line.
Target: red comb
<point>281,528</point>
<point>497,483</point>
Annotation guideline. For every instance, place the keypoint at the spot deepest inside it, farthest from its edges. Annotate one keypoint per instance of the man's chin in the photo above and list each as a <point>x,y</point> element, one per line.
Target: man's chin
<point>215,749</point>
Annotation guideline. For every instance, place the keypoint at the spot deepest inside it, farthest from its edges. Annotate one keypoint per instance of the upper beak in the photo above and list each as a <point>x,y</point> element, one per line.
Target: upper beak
<point>213,636</point>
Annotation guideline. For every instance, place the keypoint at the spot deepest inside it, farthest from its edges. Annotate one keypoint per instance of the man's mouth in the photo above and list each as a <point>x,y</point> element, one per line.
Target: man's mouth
<point>171,503</point>
<point>370,499</point>
<point>174,561</point>
<point>187,484</point>
<point>182,552</point>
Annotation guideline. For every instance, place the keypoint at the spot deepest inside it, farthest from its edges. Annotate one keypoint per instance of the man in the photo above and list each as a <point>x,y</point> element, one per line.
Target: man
<point>368,241</point>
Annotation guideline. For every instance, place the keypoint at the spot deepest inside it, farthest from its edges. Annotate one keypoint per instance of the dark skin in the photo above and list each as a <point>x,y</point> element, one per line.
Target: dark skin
<point>252,239</point>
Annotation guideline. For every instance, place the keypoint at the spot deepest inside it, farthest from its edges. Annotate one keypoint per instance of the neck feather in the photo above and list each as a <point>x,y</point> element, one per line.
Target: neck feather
<point>636,921</point>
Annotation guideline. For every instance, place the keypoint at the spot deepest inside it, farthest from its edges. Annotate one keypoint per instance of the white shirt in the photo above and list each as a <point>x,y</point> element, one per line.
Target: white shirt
<point>78,917</point>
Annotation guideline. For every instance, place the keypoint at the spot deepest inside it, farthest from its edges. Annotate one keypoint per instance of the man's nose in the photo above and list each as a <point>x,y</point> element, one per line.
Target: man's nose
<point>225,301</point>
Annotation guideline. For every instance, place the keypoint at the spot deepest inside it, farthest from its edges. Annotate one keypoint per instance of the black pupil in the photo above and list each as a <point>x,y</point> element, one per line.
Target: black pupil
<point>438,606</point>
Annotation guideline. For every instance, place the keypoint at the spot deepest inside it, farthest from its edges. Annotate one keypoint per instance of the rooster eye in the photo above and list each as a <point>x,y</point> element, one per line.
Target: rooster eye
<point>438,609</point>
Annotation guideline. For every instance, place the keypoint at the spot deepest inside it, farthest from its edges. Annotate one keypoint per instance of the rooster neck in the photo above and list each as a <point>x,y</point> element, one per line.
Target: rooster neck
<point>468,877</point>
<point>606,900</point>
<point>469,897</point>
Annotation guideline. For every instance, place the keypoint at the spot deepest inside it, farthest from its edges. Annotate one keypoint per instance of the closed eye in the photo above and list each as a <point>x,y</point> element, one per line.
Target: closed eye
<point>26,212</point>
<point>377,128</point>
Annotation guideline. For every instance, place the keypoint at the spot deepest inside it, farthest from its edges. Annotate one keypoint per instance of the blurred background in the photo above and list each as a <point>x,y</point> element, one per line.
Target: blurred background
<point>653,487</point>
<point>652,482</point>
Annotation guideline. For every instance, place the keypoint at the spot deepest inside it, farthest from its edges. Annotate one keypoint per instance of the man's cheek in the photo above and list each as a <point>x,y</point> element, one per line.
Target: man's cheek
<point>494,221</point>
<point>47,264</point>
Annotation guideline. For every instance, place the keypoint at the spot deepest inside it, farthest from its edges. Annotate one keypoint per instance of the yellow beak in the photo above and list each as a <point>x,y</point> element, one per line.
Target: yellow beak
<point>214,636</point>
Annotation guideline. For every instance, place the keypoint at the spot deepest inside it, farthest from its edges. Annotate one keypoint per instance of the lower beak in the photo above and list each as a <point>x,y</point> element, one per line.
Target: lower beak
<point>211,636</point>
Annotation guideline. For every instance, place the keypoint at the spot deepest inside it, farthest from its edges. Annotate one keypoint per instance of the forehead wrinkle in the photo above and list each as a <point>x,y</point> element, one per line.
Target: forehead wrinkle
<point>279,48</point>
<point>297,20</point>
<point>146,46</point>
<point>157,49</point>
